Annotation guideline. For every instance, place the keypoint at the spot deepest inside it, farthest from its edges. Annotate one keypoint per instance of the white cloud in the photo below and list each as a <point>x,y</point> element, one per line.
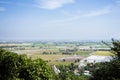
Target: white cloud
<point>100,12</point>
<point>52,4</point>
<point>2,9</point>
<point>94,13</point>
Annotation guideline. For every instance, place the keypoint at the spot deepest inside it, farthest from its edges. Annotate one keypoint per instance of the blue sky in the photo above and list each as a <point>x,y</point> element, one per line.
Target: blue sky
<point>59,19</point>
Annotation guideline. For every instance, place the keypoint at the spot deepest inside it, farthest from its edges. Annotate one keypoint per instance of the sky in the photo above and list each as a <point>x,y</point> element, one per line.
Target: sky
<point>59,19</point>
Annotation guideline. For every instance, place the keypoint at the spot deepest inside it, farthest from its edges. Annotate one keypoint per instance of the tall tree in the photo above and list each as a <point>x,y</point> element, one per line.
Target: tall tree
<point>110,70</point>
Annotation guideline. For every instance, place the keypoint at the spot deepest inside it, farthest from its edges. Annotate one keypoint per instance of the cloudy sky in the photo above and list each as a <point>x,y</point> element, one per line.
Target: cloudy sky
<point>59,19</point>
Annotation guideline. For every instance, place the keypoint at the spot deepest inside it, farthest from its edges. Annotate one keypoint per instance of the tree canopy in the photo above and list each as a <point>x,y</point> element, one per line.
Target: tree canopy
<point>20,67</point>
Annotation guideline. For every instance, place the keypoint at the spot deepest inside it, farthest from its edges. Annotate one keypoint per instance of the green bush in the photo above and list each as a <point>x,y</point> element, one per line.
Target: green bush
<point>19,67</point>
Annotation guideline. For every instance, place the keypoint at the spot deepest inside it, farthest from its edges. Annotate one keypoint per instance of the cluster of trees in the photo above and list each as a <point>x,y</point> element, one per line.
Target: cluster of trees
<point>46,53</point>
<point>68,51</point>
<point>20,67</point>
<point>67,73</point>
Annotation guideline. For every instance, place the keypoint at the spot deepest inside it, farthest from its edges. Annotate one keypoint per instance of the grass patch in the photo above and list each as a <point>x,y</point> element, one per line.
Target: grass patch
<point>83,53</point>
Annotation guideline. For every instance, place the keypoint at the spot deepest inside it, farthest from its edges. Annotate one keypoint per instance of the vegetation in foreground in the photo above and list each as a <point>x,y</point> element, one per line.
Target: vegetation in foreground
<point>109,70</point>
<point>20,67</point>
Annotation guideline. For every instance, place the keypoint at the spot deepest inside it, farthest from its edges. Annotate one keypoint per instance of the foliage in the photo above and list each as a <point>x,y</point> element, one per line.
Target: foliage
<point>14,66</point>
<point>110,70</point>
<point>67,73</point>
